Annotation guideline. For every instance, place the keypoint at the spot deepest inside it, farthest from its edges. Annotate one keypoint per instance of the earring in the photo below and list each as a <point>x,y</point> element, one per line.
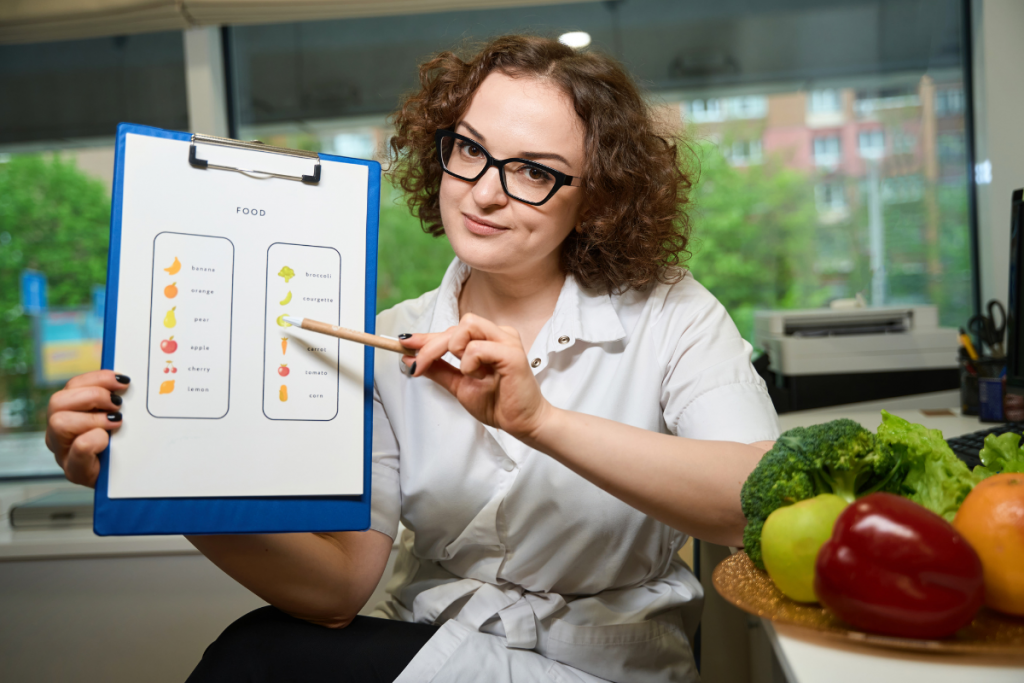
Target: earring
<point>579,226</point>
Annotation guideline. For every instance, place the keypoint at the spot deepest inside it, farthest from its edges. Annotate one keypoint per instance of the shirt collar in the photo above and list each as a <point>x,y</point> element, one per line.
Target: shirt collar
<point>582,314</point>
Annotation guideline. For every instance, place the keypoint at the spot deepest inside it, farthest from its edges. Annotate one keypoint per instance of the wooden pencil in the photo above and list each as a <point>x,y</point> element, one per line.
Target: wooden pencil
<point>350,335</point>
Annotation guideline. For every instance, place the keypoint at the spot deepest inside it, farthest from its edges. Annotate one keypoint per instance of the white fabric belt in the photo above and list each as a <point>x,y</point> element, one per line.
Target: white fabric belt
<point>518,609</point>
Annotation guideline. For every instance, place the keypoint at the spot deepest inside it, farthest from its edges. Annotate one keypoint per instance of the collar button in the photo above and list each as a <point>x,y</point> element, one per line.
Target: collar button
<point>535,363</point>
<point>563,339</point>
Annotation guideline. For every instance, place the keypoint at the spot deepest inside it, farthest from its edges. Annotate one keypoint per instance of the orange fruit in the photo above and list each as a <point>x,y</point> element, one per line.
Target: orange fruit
<point>991,518</point>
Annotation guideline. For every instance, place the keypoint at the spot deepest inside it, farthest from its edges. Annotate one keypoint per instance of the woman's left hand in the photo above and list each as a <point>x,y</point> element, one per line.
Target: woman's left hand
<point>495,382</point>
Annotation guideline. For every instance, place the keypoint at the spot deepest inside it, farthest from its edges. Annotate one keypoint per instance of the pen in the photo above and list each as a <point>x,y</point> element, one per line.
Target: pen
<point>966,341</point>
<point>351,335</point>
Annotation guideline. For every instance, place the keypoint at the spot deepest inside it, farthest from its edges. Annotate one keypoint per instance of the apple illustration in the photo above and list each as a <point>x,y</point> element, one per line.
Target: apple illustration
<point>169,345</point>
<point>283,370</point>
<point>790,541</point>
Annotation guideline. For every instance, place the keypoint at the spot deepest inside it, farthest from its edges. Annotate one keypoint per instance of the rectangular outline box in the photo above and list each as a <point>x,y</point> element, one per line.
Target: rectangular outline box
<point>231,325</point>
<point>266,308</point>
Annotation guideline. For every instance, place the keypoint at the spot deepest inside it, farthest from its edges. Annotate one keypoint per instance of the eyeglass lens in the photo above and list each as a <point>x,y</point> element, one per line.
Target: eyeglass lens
<point>523,180</point>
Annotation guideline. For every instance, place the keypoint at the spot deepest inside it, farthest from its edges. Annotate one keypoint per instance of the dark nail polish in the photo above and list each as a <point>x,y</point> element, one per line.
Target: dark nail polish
<point>114,417</point>
<point>123,379</point>
<point>404,335</point>
<point>412,370</point>
<point>115,399</point>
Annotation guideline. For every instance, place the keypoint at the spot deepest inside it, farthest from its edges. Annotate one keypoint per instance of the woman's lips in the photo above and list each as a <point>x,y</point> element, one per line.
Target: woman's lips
<point>479,226</point>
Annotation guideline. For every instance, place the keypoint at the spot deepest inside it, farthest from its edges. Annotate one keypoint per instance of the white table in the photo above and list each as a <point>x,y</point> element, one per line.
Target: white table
<point>809,659</point>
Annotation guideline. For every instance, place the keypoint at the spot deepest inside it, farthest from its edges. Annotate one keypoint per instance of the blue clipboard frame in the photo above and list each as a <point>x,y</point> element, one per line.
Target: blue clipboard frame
<point>234,515</point>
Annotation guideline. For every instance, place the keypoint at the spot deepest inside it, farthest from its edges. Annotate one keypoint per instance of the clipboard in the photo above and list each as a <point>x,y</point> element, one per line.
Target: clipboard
<point>206,402</point>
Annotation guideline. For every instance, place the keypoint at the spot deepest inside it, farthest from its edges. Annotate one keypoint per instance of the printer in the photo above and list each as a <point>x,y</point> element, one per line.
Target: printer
<point>830,356</point>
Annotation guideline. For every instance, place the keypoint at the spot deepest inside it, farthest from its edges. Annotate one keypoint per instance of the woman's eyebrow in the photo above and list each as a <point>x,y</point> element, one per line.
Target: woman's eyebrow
<point>525,155</point>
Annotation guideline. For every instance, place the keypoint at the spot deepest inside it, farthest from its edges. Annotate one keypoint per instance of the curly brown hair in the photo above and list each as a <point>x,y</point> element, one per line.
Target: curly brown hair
<point>634,229</point>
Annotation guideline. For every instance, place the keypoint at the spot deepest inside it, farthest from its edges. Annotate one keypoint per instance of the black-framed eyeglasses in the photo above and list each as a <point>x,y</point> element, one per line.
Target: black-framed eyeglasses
<point>522,179</point>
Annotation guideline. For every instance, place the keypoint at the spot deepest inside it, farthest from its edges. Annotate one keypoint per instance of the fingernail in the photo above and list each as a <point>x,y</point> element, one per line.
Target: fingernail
<point>412,370</point>
<point>404,335</point>
<point>114,417</point>
<point>123,379</point>
<point>115,399</point>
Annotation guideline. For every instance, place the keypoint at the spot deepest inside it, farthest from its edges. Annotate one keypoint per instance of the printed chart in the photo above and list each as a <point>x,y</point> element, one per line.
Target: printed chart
<point>300,368</point>
<point>190,326</point>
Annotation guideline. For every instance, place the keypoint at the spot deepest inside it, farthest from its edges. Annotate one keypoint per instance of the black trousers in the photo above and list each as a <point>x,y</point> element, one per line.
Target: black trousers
<point>268,645</point>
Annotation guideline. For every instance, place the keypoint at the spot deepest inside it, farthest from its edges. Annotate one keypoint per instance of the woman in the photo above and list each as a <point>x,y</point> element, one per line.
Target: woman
<point>577,407</point>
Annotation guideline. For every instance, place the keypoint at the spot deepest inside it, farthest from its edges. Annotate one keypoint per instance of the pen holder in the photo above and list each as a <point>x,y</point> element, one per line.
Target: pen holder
<point>981,383</point>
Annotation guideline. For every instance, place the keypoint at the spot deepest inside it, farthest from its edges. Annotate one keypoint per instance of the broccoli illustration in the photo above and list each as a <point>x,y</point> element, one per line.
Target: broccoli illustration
<point>287,273</point>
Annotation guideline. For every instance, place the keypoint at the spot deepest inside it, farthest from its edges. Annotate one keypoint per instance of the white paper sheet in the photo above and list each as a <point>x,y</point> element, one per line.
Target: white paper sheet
<point>219,405</point>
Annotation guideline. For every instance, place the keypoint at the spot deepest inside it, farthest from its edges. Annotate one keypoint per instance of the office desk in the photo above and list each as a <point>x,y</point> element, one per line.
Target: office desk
<point>806,659</point>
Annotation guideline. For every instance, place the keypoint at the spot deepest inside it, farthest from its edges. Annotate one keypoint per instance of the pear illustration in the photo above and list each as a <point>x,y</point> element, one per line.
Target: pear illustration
<point>169,320</point>
<point>174,267</point>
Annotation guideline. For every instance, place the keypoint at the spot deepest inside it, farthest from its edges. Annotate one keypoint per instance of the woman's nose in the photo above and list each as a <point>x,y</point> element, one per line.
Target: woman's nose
<point>488,190</point>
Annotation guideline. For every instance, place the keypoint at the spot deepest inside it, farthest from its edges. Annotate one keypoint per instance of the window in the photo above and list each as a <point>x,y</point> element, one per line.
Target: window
<point>824,102</point>
<point>871,144</point>
<point>949,101</point>
<point>777,190</point>
<point>744,152</point>
<point>826,151</point>
<point>830,197</point>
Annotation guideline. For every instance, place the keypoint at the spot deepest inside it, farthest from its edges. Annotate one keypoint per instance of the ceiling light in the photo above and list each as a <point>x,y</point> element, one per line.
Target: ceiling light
<point>576,39</point>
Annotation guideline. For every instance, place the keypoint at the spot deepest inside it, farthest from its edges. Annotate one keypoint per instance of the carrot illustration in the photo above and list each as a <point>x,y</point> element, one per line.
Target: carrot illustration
<point>284,345</point>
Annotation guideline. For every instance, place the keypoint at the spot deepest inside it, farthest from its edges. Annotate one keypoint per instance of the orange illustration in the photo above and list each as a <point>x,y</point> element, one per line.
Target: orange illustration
<point>167,387</point>
<point>170,291</point>
<point>991,518</point>
<point>284,345</point>
<point>282,394</point>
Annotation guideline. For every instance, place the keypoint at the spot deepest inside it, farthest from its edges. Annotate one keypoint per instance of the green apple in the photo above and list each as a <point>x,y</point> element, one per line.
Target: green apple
<point>790,541</point>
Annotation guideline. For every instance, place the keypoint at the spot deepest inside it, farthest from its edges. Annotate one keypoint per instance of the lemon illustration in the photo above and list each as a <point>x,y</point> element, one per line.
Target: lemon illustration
<point>174,267</point>
<point>167,387</point>
<point>284,301</point>
<point>169,320</point>
<point>280,321</point>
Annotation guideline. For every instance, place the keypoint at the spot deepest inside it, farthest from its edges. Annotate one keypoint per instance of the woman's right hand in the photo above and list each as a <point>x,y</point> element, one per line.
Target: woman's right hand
<point>79,419</point>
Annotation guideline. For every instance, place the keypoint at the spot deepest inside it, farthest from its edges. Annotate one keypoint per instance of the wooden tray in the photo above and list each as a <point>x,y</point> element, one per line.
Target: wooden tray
<point>747,587</point>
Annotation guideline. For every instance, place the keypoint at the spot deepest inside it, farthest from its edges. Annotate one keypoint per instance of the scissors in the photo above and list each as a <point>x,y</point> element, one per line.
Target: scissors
<point>991,327</point>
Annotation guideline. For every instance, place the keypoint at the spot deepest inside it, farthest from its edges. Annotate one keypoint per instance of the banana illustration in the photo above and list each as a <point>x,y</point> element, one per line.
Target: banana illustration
<point>174,267</point>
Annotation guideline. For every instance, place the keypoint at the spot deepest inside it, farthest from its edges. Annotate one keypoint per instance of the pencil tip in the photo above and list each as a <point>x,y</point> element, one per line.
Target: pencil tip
<point>292,320</point>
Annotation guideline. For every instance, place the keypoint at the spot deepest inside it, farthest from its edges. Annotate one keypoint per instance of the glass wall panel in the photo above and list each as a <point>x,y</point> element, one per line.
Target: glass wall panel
<point>805,116</point>
<point>74,89</point>
<point>60,104</point>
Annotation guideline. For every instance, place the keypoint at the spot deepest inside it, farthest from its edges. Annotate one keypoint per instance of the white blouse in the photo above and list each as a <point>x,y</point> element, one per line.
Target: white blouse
<point>535,573</point>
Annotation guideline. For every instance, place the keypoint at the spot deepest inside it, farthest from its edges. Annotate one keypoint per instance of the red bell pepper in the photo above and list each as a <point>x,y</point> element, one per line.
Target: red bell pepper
<point>895,568</point>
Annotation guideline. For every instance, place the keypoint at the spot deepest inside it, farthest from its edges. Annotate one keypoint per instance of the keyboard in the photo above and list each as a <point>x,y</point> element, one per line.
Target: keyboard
<point>966,446</point>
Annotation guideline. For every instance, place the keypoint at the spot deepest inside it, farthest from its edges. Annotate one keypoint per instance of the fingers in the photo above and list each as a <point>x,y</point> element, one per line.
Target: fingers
<point>107,379</point>
<point>479,355</point>
<point>66,426</point>
<point>85,398</point>
<point>82,466</point>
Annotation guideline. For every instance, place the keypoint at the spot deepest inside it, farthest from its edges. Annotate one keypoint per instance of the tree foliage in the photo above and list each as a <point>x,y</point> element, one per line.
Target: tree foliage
<point>754,236</point>
<point>54,219</point>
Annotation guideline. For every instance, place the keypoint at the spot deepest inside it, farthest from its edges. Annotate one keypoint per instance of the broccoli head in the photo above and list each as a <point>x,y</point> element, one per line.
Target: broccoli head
<point>835,457</point>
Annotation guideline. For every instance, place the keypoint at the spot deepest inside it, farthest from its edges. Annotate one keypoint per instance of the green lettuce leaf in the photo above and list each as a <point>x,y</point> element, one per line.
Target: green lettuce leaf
<point>1000,454</point>
<point>935,477</point>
